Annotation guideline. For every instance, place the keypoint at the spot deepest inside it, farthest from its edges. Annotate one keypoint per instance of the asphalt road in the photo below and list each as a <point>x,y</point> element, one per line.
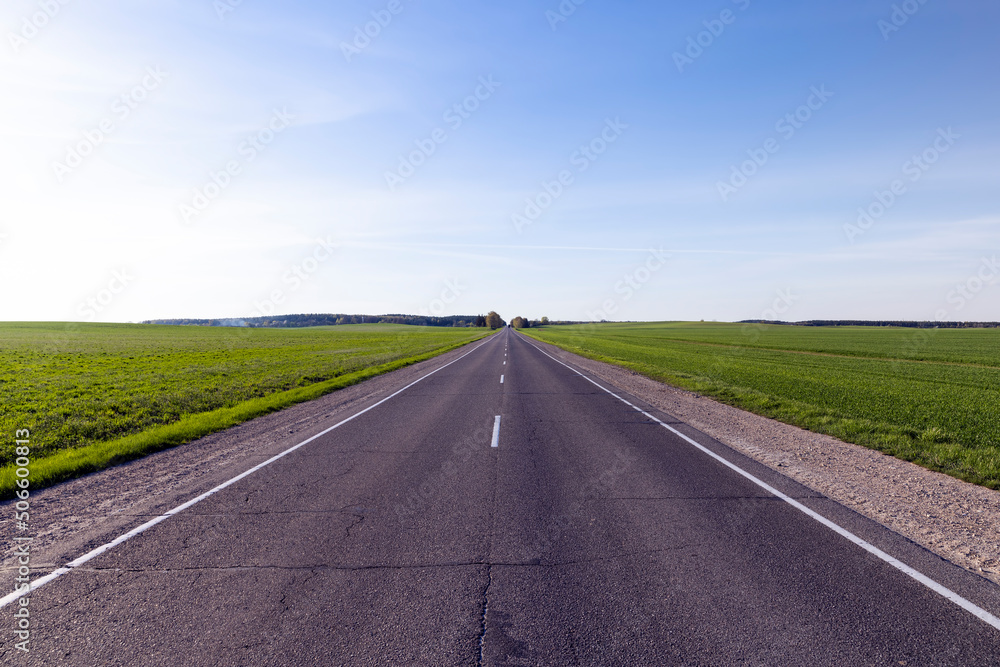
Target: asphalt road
<point>589,535</point>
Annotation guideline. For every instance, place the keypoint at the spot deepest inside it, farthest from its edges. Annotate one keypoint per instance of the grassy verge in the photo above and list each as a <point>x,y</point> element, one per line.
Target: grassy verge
<point>942,415</point>
<point>70,463</point>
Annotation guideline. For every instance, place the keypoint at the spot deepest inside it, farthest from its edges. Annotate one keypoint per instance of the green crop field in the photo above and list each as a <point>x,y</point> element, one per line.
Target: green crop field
<point>931,396</point>
<point>94,395</point>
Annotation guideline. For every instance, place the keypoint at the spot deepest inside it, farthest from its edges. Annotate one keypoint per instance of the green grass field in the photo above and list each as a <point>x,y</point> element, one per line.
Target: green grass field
<point>94,395</point>
<point>928,396</point>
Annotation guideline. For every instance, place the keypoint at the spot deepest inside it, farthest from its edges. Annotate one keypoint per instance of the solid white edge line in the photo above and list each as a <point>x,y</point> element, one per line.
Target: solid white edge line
<point>68,567</point>
<point>941,590</point>
<point>496,432</point>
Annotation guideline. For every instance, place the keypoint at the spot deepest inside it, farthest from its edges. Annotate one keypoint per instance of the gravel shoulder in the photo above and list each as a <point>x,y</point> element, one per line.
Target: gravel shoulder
<point>954,519</point>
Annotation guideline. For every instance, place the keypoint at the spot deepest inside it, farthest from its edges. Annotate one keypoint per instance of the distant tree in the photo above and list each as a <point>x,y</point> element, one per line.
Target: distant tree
<point>480,321</point>
<point>545,321</point>
<point>493,321</point>
<point>519,323</point>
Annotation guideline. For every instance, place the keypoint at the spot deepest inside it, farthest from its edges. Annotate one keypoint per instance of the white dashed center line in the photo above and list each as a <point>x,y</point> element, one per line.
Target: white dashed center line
<point>496,432</point>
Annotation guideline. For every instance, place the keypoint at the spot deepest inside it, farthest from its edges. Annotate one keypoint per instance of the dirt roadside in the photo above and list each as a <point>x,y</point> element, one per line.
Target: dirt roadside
<point>953,519</point>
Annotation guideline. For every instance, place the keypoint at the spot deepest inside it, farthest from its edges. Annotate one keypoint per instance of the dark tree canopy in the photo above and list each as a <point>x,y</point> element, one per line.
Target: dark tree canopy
<point>332,319</point>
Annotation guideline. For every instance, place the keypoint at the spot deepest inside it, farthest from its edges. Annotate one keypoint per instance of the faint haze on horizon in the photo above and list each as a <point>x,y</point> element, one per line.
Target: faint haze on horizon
<point>637,161</point>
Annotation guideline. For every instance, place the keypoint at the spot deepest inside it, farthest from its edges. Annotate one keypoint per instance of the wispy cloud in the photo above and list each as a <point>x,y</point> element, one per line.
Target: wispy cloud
<point>655,188</point>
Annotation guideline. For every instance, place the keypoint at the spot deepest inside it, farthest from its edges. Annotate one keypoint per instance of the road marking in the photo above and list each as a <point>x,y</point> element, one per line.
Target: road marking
<point>944,592</point>
<point>501,379</point>
<point>68,567</point>
<point>505,363</point>
<point>496,432</point>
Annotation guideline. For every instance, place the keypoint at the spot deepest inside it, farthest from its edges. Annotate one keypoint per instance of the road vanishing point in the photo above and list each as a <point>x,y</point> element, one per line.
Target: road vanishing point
<point>507,509</point>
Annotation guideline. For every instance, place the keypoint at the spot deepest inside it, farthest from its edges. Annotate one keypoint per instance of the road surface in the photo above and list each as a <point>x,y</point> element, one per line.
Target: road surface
<point>506,510</point>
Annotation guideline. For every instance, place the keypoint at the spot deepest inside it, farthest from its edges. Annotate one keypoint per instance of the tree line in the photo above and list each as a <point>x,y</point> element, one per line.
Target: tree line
<point>882,323</point>
<point>523,323</point>
<point>491,320</point>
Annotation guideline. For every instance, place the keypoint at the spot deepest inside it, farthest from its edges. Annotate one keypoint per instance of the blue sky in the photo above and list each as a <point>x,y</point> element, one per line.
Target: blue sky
<point>209,158</point>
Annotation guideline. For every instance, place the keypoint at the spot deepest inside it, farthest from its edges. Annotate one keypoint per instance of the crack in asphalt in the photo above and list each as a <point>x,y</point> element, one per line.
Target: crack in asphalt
<point>357,511</point>
<point>489,564</point>
<point>67,602</point>
<point>387,566</point>
<point>712,498</point>
<point>485,606</point>
<point>254,513</point>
